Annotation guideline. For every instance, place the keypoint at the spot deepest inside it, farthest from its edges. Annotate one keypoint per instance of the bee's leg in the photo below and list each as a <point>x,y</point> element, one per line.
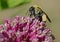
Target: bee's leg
<point>44,21</point>
<point>30,15</point>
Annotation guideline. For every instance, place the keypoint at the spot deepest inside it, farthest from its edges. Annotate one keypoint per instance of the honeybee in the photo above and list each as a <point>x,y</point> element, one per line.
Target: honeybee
<point>36,12</point>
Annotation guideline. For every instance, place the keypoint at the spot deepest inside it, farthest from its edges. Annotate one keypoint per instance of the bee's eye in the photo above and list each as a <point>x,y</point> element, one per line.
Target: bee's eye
<point>31,10</point>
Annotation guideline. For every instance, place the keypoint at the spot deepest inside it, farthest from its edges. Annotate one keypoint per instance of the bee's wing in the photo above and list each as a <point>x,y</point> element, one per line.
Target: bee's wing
<point>47,17</point>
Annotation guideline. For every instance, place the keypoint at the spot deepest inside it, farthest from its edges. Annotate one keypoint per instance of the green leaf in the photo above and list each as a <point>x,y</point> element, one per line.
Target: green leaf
<point>13,3</point>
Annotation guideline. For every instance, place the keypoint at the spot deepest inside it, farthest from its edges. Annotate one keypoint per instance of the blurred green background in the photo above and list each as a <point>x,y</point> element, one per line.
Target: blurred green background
<point>12,3</point>
<point>51,7</point>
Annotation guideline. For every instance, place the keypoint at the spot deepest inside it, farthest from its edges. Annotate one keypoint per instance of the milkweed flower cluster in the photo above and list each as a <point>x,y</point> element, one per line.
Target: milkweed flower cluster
<point>24,29</point>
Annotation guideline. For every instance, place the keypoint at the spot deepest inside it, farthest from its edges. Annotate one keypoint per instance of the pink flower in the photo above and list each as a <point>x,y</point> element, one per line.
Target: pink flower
<point>46,30</point>
<point>39,32</point>
<point>43,24</point>
<point>17,18</point>
<point>1,28</point>
<point>48,39</point>
<point>35,40</point>
<point>1,37</point>
<point>18,40</point>
<point>24,29</point>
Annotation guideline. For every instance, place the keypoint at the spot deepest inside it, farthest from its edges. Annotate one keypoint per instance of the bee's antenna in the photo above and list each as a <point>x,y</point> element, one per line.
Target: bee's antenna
<point>27,13</point>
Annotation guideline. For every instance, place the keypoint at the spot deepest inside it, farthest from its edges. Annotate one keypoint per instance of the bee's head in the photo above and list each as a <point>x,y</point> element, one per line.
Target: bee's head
<point>34,10</point>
